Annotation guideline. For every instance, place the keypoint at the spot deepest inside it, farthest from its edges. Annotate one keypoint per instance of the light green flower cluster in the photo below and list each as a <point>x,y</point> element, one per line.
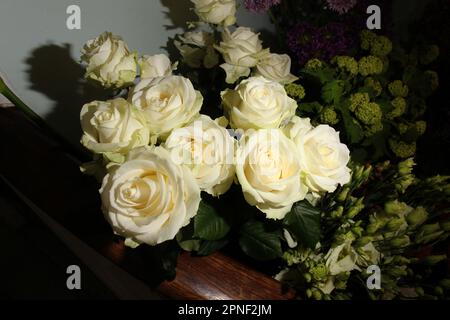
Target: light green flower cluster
<point>367,37</point>
<point>420,127</point>
<point>322,275</point>
<point>313,64</point>
<point>428,54</point>
<point>381,236</point>
<point>329,116</point>
<point>293,257</point>
<point>310,270</point>
<point>295,91</point>
<point>402,149</point>
<point>398,89</point>
<point>405,176</point>
<point>375,85</point>
<point>358,99</point>
<point>430,232</point>
<point>415,129</point>
<point>370,65</point>
<point>347,64</point>
<point>379,46</point>
<point>368,113</point>
<point>440,184</point>
<point>390,223</point>
<point>318,271</point>
<point>373,129</point>
<point>399,108</point>
<point>394,230</point>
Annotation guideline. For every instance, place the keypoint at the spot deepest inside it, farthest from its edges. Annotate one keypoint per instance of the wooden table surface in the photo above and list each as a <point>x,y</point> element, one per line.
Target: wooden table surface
<point>48,177</point>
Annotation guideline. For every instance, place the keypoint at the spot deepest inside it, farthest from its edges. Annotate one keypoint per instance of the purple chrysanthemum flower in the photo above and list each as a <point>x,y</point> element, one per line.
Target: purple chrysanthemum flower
<point>260,5</point>
<point>307,41</point>
<point>341,6</point>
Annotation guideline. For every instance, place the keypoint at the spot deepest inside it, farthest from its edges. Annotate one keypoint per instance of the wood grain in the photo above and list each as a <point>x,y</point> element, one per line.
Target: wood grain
<point>220,277</point>
<point>52,180</point>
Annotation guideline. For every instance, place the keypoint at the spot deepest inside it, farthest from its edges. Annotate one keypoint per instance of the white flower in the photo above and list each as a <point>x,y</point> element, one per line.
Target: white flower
<point>241,51</point>
<point>197,49</point>
<point>112,128</point>
<point>276,67</point>
<point>207,149</point>
<point>197,38</point>
<point>341,259</point>
<point>368,255</point>
<point>269,172</point>
<point>149,198</point>
<point>221,12</point>
<point>290,241</point>
<point>323,157</point>
<point>327,286</point>
<point>155,66</point>
<point>296,128</point>
<point>258,103</point>
<point>109,61</point>
<point>167,103</point>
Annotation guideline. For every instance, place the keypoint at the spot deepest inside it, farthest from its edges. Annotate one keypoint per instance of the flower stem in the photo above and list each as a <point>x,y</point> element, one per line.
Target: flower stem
<point>41,124</point>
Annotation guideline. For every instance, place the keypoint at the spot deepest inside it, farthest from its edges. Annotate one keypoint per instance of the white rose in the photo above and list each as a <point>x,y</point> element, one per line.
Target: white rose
<point>324,158</point>
<point>241,51</point>
<point>109,61</point>
<point>197,38</point>
<point>207,149</point>
<point>149,198</point>
<point>258,103</point>
<point>296,128</point>
<point>276,67</point>
<point>341,259</point>
<point>112,128</point>
<point>154,66</point>
<point>167,103</point>
<point>197,49</point>
<point>269,172</point>
<point>222,12</point>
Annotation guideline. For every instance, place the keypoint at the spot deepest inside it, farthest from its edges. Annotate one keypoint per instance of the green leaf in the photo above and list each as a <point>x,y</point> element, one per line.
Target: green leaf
<point>303,221</point>
<point>353,130</point>
<point>368,90</point>
<point>259,243</point>
<point>208,224</point>
<point>309,107</point>
<point>208,247</point>
<point>332,91</point>
<point>186,240</point>
<point>324,74</point>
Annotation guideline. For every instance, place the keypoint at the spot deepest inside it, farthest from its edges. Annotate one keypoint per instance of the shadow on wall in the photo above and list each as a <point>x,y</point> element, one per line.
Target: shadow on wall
<point>179,13</point>
<point>53,72</point>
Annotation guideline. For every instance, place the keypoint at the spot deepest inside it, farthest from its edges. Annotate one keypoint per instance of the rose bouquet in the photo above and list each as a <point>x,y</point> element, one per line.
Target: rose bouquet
<point>166,165</point>
<point>160,153</point>
<point>281,186</point>
<point>223,150</point>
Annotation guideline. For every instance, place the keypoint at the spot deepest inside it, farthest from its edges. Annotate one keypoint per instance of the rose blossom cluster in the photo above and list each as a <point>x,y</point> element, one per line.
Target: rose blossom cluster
<point>161,153</point>
<point>241,49</point>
